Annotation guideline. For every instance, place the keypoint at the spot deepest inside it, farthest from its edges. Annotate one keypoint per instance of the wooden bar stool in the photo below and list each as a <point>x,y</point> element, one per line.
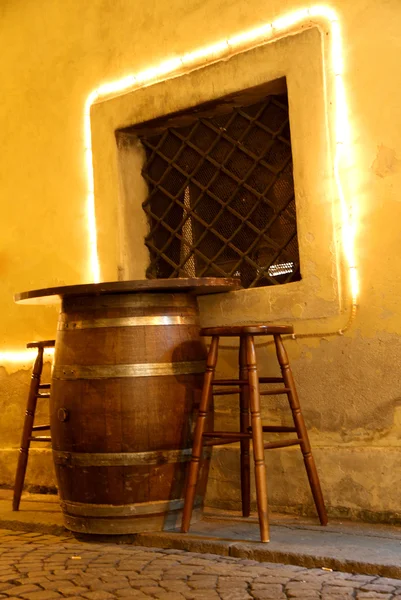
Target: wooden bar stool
<point>251,427</point>
<point>35,392</point>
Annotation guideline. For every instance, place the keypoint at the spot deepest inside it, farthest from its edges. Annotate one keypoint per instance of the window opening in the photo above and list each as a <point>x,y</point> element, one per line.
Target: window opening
<point>221,193</point>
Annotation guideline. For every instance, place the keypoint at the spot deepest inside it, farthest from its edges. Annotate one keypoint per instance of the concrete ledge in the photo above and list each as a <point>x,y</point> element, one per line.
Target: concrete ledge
<point>344,546</point>
<point>38,512</point>
<point>340,547</point>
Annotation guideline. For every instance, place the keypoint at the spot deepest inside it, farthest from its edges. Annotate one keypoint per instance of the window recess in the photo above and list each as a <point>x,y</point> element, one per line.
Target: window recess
<point>221,193</point>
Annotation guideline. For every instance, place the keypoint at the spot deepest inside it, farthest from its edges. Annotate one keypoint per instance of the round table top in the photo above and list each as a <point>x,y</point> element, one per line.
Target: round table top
<point>197,286</point>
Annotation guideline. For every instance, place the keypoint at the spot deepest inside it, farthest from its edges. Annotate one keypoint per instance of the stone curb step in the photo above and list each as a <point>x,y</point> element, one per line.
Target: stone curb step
<point>253,551</point>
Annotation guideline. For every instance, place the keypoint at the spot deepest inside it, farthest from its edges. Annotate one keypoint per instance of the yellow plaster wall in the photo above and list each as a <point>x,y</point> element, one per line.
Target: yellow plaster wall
<point>53,55</point>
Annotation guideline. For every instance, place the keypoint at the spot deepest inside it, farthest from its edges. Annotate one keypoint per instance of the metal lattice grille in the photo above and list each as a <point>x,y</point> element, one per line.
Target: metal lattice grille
<point>221,197</point>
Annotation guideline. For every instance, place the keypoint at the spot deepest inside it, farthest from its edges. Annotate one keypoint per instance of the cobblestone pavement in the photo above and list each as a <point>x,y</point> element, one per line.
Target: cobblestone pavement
<point>35,566</point>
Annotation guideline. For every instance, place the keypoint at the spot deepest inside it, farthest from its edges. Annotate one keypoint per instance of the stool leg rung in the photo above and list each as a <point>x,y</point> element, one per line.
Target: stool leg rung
<point>222,443</point>
<point>227,434</point>
<point>41,428</point>
<point>278,429</point>
<point>276,392</point>
<point>223,382</point>
<point>281,444</point>
<point>226,392</point>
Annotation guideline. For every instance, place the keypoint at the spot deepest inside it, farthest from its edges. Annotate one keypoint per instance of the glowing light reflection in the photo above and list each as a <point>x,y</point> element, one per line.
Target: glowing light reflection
<point>290,20</point>
<point>149,75</point>
<point>323,11</point>
<point>337,61</point>
<point>24,357</point>
<point>251,36</point>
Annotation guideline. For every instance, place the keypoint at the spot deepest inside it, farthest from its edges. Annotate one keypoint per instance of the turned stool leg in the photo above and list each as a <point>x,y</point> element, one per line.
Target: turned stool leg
<point>27,429</point>
<point>301,429</point>
<point>244,427</point>
<point>257,439</point>
<point>194,465</point>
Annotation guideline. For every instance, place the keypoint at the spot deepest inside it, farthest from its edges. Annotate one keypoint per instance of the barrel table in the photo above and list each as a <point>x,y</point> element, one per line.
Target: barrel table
<point>126,384</point>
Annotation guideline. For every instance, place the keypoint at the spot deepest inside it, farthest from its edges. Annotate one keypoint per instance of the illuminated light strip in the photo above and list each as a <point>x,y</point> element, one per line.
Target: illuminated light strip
<point>326,19</point>
<point>24,356</point>
<point>321,16</point>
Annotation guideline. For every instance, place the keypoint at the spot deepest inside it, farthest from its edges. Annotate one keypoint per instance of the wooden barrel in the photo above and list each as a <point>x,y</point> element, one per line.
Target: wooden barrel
<point>126,384</point>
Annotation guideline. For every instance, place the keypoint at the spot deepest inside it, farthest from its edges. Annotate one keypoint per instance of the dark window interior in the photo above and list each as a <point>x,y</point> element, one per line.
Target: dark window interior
<point>221,192</point>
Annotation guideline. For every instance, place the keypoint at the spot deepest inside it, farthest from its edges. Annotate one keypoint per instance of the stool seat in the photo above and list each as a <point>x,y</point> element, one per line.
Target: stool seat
<point>236,330</point>
<point>251,428</point>
<point>42,344</point>
<point>35,391</point>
